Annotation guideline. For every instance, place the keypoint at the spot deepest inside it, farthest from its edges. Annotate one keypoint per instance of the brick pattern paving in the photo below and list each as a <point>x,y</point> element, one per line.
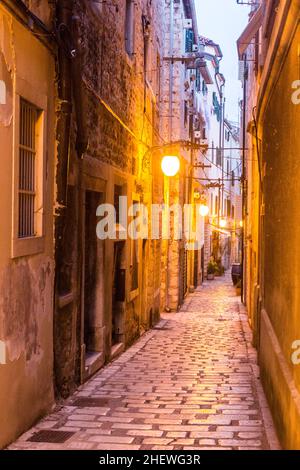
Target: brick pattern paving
<point>191,384</point>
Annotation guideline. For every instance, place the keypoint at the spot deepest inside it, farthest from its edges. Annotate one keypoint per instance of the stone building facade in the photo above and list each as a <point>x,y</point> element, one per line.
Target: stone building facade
<point>232,204</point>
<point>177,127</point>
<point>192,79</point>
<point>219,178</point>
<point>270,48</point>
<point>108,291</point>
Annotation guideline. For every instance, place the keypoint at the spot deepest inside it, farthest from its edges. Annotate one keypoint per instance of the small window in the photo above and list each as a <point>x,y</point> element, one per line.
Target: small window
<point>29,116</point>
<point>129,27</point>
<point>189,40</point>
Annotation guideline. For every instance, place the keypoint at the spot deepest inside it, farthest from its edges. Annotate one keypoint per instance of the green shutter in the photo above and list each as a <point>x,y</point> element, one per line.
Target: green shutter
<point>189,40</point>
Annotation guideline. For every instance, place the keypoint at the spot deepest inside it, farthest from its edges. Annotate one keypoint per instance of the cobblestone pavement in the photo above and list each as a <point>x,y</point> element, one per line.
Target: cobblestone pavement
<point>190,383</point>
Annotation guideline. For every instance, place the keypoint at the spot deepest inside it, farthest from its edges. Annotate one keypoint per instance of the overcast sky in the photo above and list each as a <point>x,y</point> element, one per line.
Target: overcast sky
<point>223,21</point>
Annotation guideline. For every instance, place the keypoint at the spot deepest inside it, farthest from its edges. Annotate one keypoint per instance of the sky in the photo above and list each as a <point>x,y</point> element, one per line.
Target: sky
<point>223,21</point>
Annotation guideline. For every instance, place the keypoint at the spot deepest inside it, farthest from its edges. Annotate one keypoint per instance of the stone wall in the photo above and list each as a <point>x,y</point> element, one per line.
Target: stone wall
<point>121,108</point>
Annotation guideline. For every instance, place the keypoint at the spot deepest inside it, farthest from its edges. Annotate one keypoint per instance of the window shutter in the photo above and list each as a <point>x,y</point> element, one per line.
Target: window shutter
<point>189,40</point>
<point>198,80</point>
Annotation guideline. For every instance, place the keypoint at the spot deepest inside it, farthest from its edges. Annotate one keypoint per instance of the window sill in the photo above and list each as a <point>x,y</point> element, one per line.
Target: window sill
<point>27,246</point>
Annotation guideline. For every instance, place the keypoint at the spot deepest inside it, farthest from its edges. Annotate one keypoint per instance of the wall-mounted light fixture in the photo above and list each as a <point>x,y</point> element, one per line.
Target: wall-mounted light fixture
<point>204,210</point>
<point>170,165</point>
<point>223,223</point>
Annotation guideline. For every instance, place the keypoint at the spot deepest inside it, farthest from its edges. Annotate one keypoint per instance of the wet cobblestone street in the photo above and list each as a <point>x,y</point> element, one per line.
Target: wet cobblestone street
<point>190,383</point>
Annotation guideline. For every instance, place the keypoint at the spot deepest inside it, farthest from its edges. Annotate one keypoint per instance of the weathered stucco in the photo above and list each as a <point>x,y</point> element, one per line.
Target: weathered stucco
<point>280,321</point>
<point>26,283</point>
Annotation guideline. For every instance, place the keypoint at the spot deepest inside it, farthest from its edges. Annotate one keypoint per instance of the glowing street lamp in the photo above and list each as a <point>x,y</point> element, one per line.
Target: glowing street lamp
<point>170,165</point>
<point>223,223</point>
<point>204,210</point>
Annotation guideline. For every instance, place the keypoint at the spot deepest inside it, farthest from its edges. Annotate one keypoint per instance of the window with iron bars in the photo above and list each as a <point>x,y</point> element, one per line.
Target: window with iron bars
<point>29,115</point>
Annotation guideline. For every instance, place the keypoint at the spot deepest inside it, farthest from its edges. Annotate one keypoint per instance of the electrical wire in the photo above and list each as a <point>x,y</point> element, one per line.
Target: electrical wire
<point>217,166</point>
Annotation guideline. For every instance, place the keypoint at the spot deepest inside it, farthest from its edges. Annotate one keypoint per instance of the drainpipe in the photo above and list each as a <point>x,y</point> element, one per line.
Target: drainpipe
<point>69,78</point>
<point>64,111</point>
<point>69,86</point>
<point>81,147</point>
<point>63,24</point>
<point>79,92</point>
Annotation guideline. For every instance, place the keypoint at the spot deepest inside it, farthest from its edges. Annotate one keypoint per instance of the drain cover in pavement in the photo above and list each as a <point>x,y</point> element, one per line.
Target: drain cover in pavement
<point>55,437</point>
<point>83,402</point>
<point>161,328</point>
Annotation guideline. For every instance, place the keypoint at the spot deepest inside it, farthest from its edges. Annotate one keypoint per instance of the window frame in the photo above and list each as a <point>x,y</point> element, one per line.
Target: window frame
<point>35,244</point>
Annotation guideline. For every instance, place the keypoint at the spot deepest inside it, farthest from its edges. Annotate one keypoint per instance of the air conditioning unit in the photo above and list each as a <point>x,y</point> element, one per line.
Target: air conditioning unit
<point>197,134</point>
<point>204,142</point>
<point>187,23</point>
<point>195,48</point>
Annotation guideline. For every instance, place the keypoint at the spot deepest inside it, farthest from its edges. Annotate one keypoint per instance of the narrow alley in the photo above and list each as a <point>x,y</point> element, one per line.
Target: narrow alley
<point>190,383</point>
<point>150,242</point>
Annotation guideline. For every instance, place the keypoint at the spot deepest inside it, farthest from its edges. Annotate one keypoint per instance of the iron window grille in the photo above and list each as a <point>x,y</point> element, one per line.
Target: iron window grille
<point>27,169</point>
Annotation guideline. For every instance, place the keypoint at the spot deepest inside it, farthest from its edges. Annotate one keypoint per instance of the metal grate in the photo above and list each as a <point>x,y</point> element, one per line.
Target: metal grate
<point>54,437</point>
<point>27,163</point>
<point>83,402</point>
